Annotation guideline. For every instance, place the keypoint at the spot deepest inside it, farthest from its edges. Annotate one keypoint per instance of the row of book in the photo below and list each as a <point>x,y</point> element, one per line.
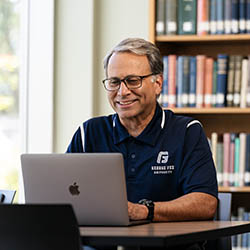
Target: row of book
<point>231,154</point>
<point>201,81</point>
<point>241,241</point>
<point>202,17</point>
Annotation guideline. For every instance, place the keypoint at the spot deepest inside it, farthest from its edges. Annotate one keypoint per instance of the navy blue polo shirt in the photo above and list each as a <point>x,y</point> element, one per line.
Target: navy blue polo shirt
<point>170,158</point>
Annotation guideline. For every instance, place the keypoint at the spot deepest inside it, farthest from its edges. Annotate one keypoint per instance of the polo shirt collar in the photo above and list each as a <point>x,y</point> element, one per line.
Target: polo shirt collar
<point>149,135</point>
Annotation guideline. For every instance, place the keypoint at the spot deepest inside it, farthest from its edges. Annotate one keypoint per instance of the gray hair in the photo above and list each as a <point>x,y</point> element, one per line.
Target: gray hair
<point>138,46</point>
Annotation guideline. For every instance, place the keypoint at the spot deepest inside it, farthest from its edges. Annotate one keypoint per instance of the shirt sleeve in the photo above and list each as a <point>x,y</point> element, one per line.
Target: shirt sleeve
<point>75,145</point>
<point>198,171</point>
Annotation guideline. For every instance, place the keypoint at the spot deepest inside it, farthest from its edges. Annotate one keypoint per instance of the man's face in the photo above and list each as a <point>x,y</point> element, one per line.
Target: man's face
<point>135,103</point>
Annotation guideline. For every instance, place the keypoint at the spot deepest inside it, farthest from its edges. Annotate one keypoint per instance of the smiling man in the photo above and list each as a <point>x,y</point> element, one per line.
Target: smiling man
<point>170,173</point>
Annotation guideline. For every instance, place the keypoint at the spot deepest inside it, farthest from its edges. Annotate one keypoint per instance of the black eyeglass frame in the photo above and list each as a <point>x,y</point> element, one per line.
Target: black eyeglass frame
<point>124,81</point>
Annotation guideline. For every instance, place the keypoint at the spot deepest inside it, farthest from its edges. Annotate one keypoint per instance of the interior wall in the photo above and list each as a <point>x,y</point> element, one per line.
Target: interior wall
<point>84,32</point>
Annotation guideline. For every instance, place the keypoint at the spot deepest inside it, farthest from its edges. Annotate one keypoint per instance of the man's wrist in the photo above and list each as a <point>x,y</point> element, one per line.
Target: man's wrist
<point>150,206</point>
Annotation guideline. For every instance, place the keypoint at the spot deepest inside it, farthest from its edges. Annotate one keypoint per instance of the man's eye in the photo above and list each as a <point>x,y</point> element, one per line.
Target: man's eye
<point>114,82</point>
<point>132,80</point>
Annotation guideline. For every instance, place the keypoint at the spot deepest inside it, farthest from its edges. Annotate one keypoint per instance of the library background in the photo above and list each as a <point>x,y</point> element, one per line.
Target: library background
<point>205,46</point>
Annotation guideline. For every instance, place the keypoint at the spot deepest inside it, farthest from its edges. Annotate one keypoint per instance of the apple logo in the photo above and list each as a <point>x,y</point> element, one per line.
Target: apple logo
<point>74,189</point>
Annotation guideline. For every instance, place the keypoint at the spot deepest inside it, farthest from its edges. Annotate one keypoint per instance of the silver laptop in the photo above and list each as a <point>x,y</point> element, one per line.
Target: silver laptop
<point>94,183</point>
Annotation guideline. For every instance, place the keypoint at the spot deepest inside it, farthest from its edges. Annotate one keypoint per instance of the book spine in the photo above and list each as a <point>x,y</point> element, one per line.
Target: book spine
<point>186,17</point>
<point>231,160</point>
<point>202,17</point>
<point>235,17</point>
<point>221,80</point>
<point>179,81</point>
<point>247,160</point>
<point>214,83</point>
<point>220,17</point>
<point>244,79</point>
<point>248,83</point>
<point>200,77</point>
<point>214,141</point>
<point>186,72</point>
<point>171,81</point>
<point>208,88</point>
<point>226,147</point>
<point>213,17</point>
<point>227,16</point>
<point>230,81</point>
<point>219,162</point>
<point>236,161</point>
<point>248,18</point>
<point>242,163</point>
<point>192,82</point>
<point>242,16</point>
<point>165,82</point>
<point>171,17</point>
<point>237,81</point>
<point>160,17</point>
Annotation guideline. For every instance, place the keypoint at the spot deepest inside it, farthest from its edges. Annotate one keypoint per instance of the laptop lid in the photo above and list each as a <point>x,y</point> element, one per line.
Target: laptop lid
<point>94,183</point>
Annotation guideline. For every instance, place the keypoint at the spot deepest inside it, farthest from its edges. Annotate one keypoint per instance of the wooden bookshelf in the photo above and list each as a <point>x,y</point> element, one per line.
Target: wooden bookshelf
<point>218,120</point>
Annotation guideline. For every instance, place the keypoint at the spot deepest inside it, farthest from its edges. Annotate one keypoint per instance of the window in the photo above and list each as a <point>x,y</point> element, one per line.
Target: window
<point>26,84</point>
<point>10,145</point>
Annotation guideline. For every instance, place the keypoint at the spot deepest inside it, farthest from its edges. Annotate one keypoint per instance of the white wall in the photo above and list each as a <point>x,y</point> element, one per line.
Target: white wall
<point>85,30</point>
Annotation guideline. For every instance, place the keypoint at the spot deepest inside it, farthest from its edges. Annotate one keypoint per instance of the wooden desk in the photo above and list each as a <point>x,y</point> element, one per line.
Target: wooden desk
<point>161,234</point>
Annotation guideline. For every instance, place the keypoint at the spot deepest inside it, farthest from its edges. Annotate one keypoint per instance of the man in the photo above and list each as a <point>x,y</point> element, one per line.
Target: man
<point>169,169</point>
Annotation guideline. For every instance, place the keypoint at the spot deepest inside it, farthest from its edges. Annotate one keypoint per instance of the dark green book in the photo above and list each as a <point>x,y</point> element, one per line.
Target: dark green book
<point>186,17</point>
<point>171,17</point>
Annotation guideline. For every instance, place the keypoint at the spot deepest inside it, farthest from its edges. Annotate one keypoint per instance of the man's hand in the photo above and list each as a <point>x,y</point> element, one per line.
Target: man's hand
<point>137,211</point>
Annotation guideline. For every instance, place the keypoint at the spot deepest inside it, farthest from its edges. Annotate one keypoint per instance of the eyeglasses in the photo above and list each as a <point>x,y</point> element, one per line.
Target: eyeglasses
<point>131,82</point>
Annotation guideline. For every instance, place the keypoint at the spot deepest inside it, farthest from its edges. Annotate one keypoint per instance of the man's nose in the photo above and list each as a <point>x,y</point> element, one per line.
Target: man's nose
<point>123,90</point>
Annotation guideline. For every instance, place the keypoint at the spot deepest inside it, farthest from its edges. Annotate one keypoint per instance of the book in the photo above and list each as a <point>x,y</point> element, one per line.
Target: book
<point>242,16</point>
<point>226,150</point>
<point>220,17</point>
<point>227,16</point>
<point>172,81</point>
<point>171,17</point>
<point>235,17</point>
<point>244,82</point>
<point>214,84</point>
<point>242,158</point>
<point>231,158</point>
<point>202,17</point>
<point>248,16</point>
<point>187,17</point>
<point>247,160</point>
<point>192,82</point>
<point>237,161</point>
<point>230,80</point>
<point>214,141</point>
<point>212,17</point>
<point>222,61</point>
<point>160,17</point>
<point>179,81</point>
<point>165,82</point>
<point>200,77</point>
<point>185,87</point>
<point>219,162</point>
<point>208,86</point>
<point>248,84</point>
<point>237,80</point>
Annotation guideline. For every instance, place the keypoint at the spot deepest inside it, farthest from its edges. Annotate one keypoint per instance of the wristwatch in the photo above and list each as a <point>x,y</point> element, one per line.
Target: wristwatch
<point>150,205</point>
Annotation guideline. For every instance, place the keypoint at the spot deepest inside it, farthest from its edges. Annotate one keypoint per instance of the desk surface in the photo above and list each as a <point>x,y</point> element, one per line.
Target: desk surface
<point>162,234</point>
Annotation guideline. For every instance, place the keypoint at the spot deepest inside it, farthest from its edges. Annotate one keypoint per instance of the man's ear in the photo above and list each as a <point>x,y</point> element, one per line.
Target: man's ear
<point>158,83</point>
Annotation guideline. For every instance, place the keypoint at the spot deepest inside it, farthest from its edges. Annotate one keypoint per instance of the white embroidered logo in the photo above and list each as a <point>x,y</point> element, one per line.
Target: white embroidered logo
<point>162,157</point>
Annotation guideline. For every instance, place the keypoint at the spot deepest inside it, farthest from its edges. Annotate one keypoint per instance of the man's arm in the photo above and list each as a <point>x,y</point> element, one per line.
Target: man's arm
<point>192,206</point>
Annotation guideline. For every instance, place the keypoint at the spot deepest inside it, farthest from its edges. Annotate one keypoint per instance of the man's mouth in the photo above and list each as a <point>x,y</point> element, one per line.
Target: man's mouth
<point>125,102</point>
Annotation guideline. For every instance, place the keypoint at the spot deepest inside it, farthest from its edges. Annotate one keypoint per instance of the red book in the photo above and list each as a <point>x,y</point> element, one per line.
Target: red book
<point>208,88</point>
<point>200,79</point>
<point>171,81</point>
<point>202,17</point>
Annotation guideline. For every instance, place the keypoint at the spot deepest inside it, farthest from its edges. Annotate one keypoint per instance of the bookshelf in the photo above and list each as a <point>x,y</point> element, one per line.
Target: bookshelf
<point>218,120</point>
